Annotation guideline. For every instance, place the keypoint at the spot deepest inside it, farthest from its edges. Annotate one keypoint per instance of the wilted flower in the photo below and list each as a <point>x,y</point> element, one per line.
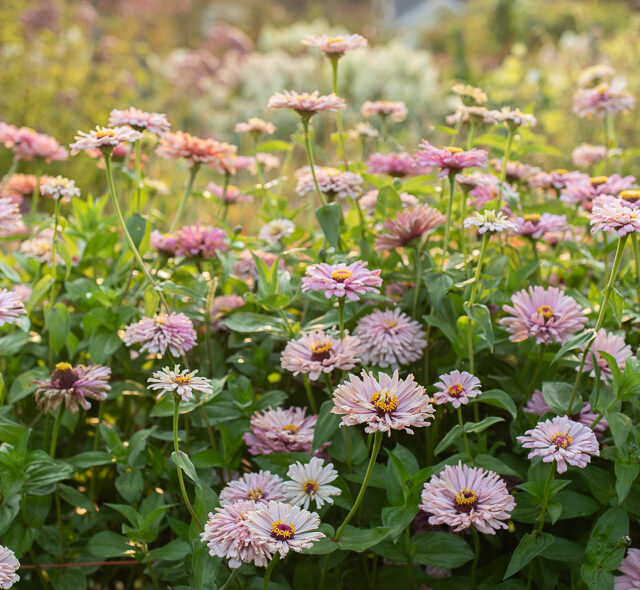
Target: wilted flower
<point>276,230</point>
<point>538,406</point>
<point>561,440</point>
<point>306,104</point>
<point>397,110</point>
<point>256,126</point>
<point>227,535</point>
<point>535,225</point>
<point>182,383</point>
<point>195,150</point>
<point>408,227</point>
<point>396,164</point>
<point>611,214</point>
<point>332,182</point>
<point>611,344</point>
<point>490,221</point>
<point>204,242</point>
<point>155,123</point>
<point>390,338</point>
<point>369,200</point>
<point>282,527</point>
<point>28,144</point>
<point>630,568</point>
<point>546,314</point>
<point>11,307</point>
<point>586,155</point>
<point>468,91</point>
<point>173,331</point>
<point>384,404</point>
<point>10,216</point>
<point>8,567</point>
<point>514,118</point>
<point>335,46</point>
<point>59,188</point>
<point>104,139</point>
<point>316,353</point>
<point>280,431</point>
<point>340,280</point>
<point>456,388</point>
<point>605,98</point>
<point>73,385</point>
<point>451,159</point>
<point>461,496</point>
<point>310,482</point>
<point>260,487</point>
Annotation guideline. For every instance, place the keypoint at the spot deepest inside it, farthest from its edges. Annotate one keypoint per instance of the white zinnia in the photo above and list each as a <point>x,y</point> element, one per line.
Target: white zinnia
<point>490,221</point>
<point>309,482</point>
<point>184,383</point>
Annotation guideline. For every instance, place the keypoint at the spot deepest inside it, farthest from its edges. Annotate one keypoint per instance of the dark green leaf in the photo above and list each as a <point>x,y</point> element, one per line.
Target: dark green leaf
<point>440,549</point>
<point>329,217</point>
<point>557,396</point>
<point>448,439</point>
<point>181,459</point>
<point>529,547</point>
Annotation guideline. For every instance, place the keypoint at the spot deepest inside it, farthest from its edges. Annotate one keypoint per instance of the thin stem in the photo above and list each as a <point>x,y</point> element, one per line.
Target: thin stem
<point>307,145</point>
<point>636,256</point>
<point>56,431</point>
<point>472,299</point>
<point>60,525</point>
<point>476,551</point>
<point>138,178</point>
<point>53,249</point>
<point>310,398</point>
<point>231,578</point>
<point>464,434</point>
<point>384,129</point>
<point>187,191</point>
<point>536,374</point>
<point>35,195</point>
<point>418,268</point>
<point>377,441</point>
<point>152,575</point>
<point>341,316</point>
<point>176,447</point>
<point>96,445</point>
<point>545,496</point>
<point>267,575</point>
<point>10,173</point>
<point>536,258</point>
<point>447,229</point>
<point>505,161</point>
<point>334,79</point>
<point>225,189</point>
<point>472,133</point>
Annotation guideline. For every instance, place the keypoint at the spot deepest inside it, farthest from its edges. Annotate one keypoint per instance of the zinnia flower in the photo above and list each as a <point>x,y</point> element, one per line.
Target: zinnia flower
<point>195,150</point>
<point>538,406</point>
<point>332,182</point>
<point>535,225</point>
<point>73,385</point>
<point>231,195</point>
<point>8,567</point>
<point>182,383</point>
<point>384,404</point>
<point>397,164</point>
<point>155,123</point>
<point>456,388</point>
<point>468,91</point>
<point>39,246</point>
<point>276,230</point>
<point>350,280</point>
<point>408,227</point>
<point>611,214</point>
<point>583,189</point>
<point>474,113</point>
<point>256,127</point>
<point>310,482</point>
<point>227,535</point>
<point>390,338</point>
<point>165,243</point>
<point>280,431</point>
<point>316,353</point>
<point>605,98</point>
<point>461,496</point>
<point>11,307</point>
<point>490,221</point>
<point>516,171</point>
<point>173,331</point>
<point>586,155</point>
<point>204,242</point>
<point>548,315</point>
<point>282,527</point>
<point>306,104</point>
<point>59,188</point>
<point>259,487</point>
<point>29,144</point>
<point>450,160</point>
<point>335,46</point>
<point>514,118</point>
<point>611,344</point>
<point>397,110</point>
<point>630,568</point>
<point>10,217</point>
<point>104,139</point>
<point>561,440</point>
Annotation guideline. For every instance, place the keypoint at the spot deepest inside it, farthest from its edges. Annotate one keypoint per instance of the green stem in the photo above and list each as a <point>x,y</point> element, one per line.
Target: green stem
<point>138,178</point>
<point>187,191</point>
<point>231,578</point>
<point>545,497</point>
<point>377,441</point>
<point>225,189</point>
<point>476,551</point>
<point>334,79</point>
<point>35,195</point>
<point>472,298</point>
<point>56,431</point>
<point>60,525</point>
<point>307,387</point>
<point>505,161</point>
<point>464,434</point>
<point>53,251</point>
<point>384,129</point>
<point>536,374</point>
<point>472,133</point>
<point>176,447</point>
<point>341,316</point>
<point>307,145</point>
<point>636,256</point>
<point>267,575</point>
<point>10,173</point>
<point>96,445</point>
<point>418,268</point>
<point>536,258</point>
<point>447,229</point>
<point>152,575</point>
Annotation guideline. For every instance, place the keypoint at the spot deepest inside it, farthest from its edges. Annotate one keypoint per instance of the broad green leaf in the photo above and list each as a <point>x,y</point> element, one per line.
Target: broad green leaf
<point>440,549</point>
<point>481,315</point>
<point>108,544</point>
<point>59,325</point>
<point>356,539</point>
<point>329,217</point>
<point>626,473</point>
<point>448,439</point>
<point>606,547</point>
<point>496,397</point>
<point>481,426</point>
<point>326,425</point>
<point>130,484</point>
<point>181,459</point>
<point>578,341</point>
<point>557,396</point>
<point>529,547</point>
<point>175,550</point>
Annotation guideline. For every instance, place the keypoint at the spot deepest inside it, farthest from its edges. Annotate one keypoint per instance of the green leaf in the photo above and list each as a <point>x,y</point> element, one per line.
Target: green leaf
<point>529,547</point>
<point>388,202</point>
<point>355,539</point>
<point>108,544</point>
<point>481,315</point>
<point>329,217</point>
<point>448,439</point>
<point>578,341</point>
<point>175,550</point>
<point>595,578</point>
<point>244,321</point>
<point>620,425</point>
<point>606,545</point>
<point>398,518</point>
<point>24,385</point>
<point>557,395</point>
<point>325,545</point>
<point>564,550</point>
<point>445,327</point>
<point>91,459</point>
<point>440,549</point>
<point>481,426</point>
<point>64,252</point>
<point>130,485</point>
<point>617,303</point>
<point>75,498</point>
<point>495,464</point>
<point>39,291</point>
<point>137,226</point>
<point>498,398</point>
<point>326,425</point>
<point>181,459</point>
<point>275,145</point>
<point>59,325</point>
<point>626,474</point>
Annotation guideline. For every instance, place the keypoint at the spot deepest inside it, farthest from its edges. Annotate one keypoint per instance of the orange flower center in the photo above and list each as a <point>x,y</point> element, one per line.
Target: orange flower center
<point>291,428</point>
<point>384,401</point>
<point>465,500</point>
<point>455,390</point>
<point>341,275</point>
<point>598,180</point>
<point>602,88</point>
<point>320,351</point>
<point>255,494</point>
<point>546,311</point>
<point>282,531</point>
<point>310,486</point>
<point>561,440</point>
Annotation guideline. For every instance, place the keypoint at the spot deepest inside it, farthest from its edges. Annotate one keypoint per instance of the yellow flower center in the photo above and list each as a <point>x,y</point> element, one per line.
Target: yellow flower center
<point>335,40</point>
<point>531,216</point>
<point>63,367</point>
<point>104,132</point>
<point>159,319</point>
<point>310,486</point>
<point>559,171</point>
<point>320,351</point>
<point>291,428</point>
<point>602,88</point>
<point>561,439</point>
<point>182,380</point>
<point>597,180</point>
<point>546,311</point>
<point>282,531</point>
<point>388,325</point>
<point>455,390</point>
<point>255,494</point>
<point>465,500</point>
<point>341,275</point>
<point>452,149</point>
<point>384,401</point>
<point>630,195</point>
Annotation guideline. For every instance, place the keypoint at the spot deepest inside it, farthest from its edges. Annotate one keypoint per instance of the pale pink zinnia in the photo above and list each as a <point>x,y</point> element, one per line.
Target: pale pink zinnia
<point>397,110</point>
<point>332,182</point>
<point>335,46</point>
<point>583,189</point>
<point>8,134</point>
<point>456,388</point>
<point>173,331</point>
<point>390,338</point>
<point>59,188</point>
<point>535,225</point>
<point>283,527</point>
<point>630,568</point>
<point>10,216</point>
<point>461,497</point>
<point>259,487</point>
<point>104,139</point>
<point>306,104</point>
<point>611,214</point>
<point>611,344</point>
<point>548,315</point>
<point>605,98</point>
<point>29,144</point>
<point>11,307</point>
<point>586,155</point>
<point>195,150</point>
<point>276,230</point>
<point>9,565</point>
<point>451,159</point>
<point>255,126</point>
<point>139,120</point>
<point>229,195</point>
<point>561,440</point>
<point>397,164</point>
<point>408,227</point>
<point>514,118</point>
<point>515,171</point>
<point>340,280</point>
<point>280,431</point>
<point>166,244</point>
<point>383,404</point>
<point>204,242</point>
<point>316,353</point>
<point>178,382</point>
<point>369,200</point>
<point>227,535</point>
<point>555,179</point>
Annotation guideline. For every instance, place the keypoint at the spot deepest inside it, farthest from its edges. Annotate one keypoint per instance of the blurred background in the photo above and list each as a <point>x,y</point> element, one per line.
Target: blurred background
<point>65,64</point>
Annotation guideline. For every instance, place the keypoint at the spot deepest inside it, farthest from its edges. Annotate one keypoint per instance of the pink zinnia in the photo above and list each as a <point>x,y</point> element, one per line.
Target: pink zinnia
<point>584,189</point>
<point>227,535</point>
<point>173,331</point>
<point>205,242</point>
<point>9,565</point>
<point>139,120</point>
<point>245,266</point>
<point>390,338</point>
<point>456,388</point>
<point>335,46</point>
<point>555,179</point>
<point>283,527</point>
<point>104,139</point>
<point>195,150</point>
<point>611,214</point>
<point>546,314</point>
<point>514,118</point>
<point>280,431</point>
<point>59,188</point>
<point>604,98</point>
<point>397,164</point>
<point>630,568</point>
<point>29,144</point>
<point>11,307</point>
<point>611,344</point>
<point>383,404</point>
<point>408,227</point>
<point>231,195</point>
<point>369,200</point>
<point>340,280</point>
<point>397,110</point>
<point>165,243</point>
<point>450,160</point>
<point>10,216</point>
<point>516,171</point>
<point>332,182</point>
<point>561,440</point>
<point>461,497</point>
<point>222,306</point>
<point>256,126</point>
<point>258,487</point>
<point>8,134</point>
<point>316,353</point>
<point>306,104</point>
<point>534,225</point>
<point>586,155</point>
